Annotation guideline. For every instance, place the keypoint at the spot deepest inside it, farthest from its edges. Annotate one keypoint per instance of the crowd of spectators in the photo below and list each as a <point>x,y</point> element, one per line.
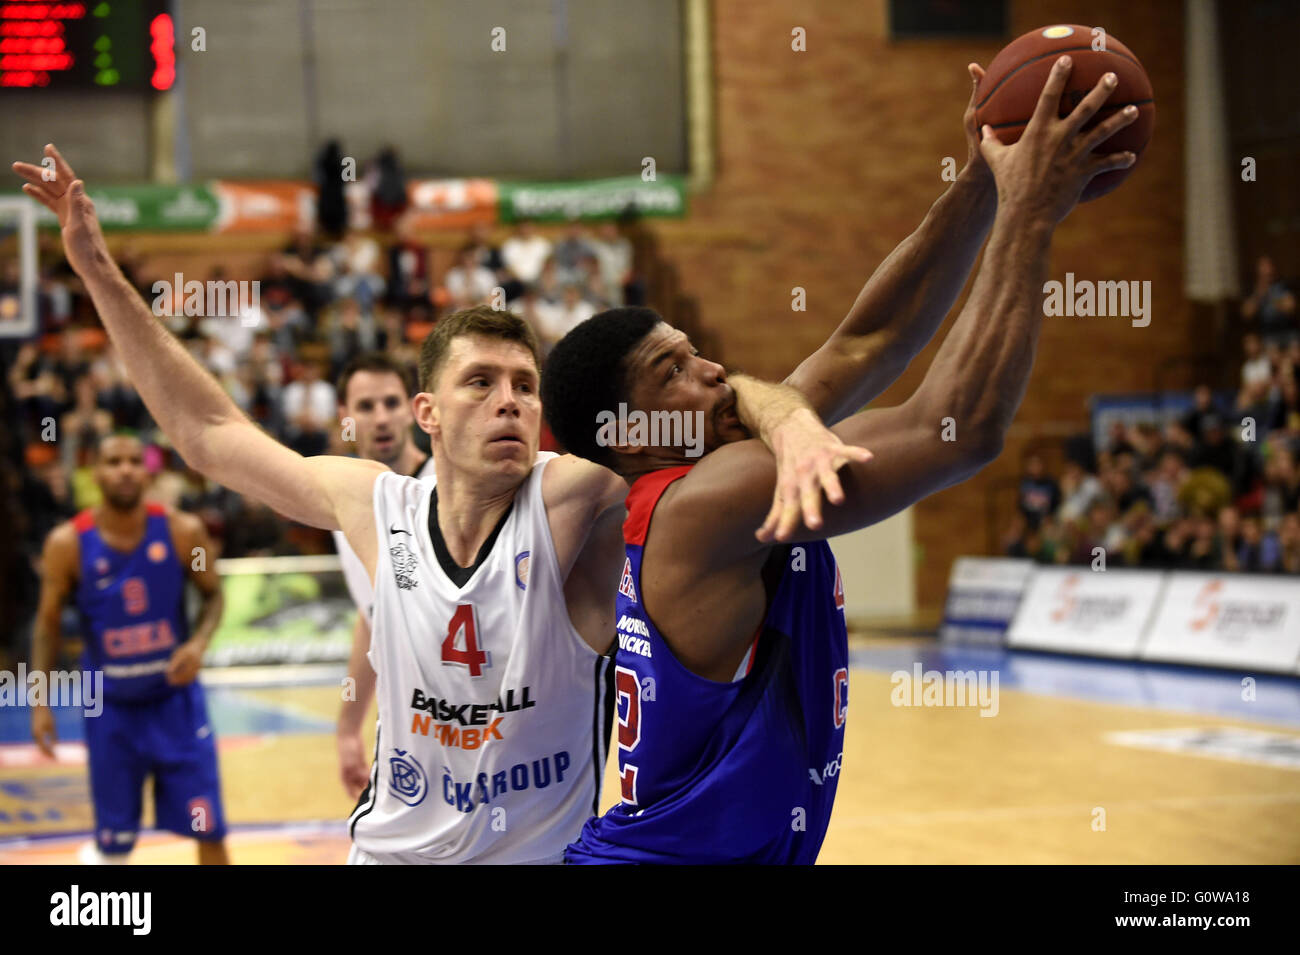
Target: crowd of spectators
<point>1217,488</point>
<point>321,301</point>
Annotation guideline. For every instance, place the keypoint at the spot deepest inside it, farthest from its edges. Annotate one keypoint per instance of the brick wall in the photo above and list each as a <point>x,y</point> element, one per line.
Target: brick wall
<point>827,158</point>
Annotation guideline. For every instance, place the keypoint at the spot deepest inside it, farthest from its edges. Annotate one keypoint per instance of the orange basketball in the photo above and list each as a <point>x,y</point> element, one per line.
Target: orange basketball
<point>1010,89</point>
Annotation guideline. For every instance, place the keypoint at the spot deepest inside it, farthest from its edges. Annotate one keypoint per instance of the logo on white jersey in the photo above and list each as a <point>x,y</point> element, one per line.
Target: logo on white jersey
<point>521,570</point>
<point>625,586</point>
<point>403,566</point>
<point>407,780</point>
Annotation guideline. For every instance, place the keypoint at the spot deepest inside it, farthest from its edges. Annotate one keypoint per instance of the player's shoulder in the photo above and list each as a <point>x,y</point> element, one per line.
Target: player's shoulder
<point>569,479</point>
<point>62,549</point>
<point>65,535</point>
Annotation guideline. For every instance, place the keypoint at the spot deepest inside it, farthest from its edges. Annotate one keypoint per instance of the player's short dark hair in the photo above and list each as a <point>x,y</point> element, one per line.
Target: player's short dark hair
<point>96,447</point>
<point>476,320</point>
<point>373,361</point>
<point>586,373</point>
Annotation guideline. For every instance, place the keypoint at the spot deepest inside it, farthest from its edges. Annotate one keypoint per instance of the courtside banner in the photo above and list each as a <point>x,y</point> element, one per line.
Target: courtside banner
<point>1073,610</point>
<point>1242,621</point>
<point>983,594</point>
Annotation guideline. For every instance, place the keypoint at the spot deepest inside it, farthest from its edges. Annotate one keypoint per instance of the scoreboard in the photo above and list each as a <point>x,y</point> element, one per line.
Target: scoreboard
<point>122,44</point>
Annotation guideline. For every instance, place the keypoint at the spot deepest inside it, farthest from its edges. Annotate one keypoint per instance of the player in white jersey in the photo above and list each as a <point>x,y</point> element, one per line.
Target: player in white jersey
<point>478,401</point>
<point>374,395</point>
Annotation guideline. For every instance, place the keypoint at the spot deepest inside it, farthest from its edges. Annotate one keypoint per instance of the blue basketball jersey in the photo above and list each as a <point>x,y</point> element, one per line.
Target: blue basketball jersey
<point>132,608</point>
<point>739,772</point>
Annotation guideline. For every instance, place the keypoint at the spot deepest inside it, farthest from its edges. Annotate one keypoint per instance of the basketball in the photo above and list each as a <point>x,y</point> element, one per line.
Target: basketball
<point>1011,87</point>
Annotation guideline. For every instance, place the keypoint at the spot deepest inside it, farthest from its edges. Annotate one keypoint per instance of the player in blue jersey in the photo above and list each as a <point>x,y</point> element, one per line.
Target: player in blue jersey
<point>732,667</point>
<point>125,563</point>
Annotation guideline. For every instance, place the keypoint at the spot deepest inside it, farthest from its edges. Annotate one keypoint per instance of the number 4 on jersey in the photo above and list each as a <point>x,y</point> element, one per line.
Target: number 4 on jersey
<point>463,621</point>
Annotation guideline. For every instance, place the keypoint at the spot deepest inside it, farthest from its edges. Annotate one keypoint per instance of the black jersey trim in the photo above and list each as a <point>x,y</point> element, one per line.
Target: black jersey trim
<point>602,720</point>
<point>457,574</point>
<point>370,793</point>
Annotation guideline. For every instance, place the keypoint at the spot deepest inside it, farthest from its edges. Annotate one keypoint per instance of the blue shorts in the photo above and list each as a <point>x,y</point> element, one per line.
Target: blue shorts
<point>169,739</point>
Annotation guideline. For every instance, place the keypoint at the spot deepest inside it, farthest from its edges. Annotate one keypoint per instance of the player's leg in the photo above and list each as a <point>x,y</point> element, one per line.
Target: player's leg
<point>187,786</point>
<point>117,773</point>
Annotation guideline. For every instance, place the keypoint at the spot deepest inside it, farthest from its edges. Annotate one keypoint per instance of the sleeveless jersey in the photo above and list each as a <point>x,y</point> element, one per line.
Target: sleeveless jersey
<point>492,709</point>
<point>132,608</point>
<point>740,772</point>
<point>354,572</point>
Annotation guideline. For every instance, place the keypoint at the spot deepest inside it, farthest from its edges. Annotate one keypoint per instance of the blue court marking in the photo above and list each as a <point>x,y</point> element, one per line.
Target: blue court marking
<point>233,712</point>
<point>1156,685</point>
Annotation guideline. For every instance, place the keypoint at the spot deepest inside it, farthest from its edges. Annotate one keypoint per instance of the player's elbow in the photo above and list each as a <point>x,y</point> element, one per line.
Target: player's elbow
<point>982,447</point>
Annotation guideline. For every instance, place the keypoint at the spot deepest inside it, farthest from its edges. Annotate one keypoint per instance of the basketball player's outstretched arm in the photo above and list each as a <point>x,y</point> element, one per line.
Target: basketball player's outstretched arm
<point>956,421</point>
<point>906,299</point>
<point>204,424</point>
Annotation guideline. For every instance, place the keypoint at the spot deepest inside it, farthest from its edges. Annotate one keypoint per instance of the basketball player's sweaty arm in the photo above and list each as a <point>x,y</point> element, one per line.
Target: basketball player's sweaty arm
<point>204,424</point>
<point>195,551</point>
<point>705,590</point>
<point>59,558</point>
<point>908,296</point>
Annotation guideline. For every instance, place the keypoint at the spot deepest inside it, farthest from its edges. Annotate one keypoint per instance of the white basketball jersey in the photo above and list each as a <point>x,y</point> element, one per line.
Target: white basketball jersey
<point>354,572</point>
<point>493,711</point>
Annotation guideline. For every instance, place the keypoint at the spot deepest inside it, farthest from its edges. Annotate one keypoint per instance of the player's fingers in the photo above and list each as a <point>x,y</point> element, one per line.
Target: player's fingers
<point>1089,105</point>
<point>1049,100</point>
<point>33,174</point>
<point>990,145</point>
<point>1107,128</point>
<point>61,168</point>
<point>789,516</point>
<point>1120,160</point>
<point>41,196</point>
<point>830,482</point>
<point>768,528</point>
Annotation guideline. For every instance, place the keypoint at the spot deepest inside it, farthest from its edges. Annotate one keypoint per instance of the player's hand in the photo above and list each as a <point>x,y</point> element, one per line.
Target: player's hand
<point>65,195</point>
<point>184,664</point>
<point>975,163</point>
<point>1043,173</point>
<point>43,729</point>
<point>807,456</point>
<point>354,767</point>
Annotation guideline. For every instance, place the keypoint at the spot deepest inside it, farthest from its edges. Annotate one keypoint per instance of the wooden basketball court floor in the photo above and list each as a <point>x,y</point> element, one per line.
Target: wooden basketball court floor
<point>1084,762</point>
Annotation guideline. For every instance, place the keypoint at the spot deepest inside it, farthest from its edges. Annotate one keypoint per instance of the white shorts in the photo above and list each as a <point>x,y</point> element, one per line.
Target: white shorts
<point>357,856</point>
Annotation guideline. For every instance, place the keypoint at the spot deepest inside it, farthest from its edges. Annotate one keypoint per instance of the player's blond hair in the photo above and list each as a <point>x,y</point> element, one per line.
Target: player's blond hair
<point>475,320</point>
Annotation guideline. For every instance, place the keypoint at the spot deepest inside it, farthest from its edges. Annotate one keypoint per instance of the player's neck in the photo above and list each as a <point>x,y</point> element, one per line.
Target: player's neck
<point>468,512</point>
<point>120,522</point>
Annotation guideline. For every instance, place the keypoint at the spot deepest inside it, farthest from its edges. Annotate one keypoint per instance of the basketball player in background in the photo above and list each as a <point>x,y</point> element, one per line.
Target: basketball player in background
<point>125,563</point>
<point>493,588</point>
<point>735,754</point>
<point>374,394</point>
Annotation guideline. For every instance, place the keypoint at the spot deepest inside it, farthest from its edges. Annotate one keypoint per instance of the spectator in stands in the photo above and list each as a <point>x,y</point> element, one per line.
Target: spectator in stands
<point>327,172</point>
<point>1039,494</point>
<point>1215,449</point>
<point>116,393</point>
<point>1164,484</point>
<point>468,283</point>
<point>387,182</point>
<point>1255,552</point>
<point>1256,369</point>
<point>1228,540</point>
<point>37,390</point>
<point>537,312</point>
<point>615,257</point>
<point>408,267</point>
<point>1078,490</point>
<point>308,270</point>
<point>1203,406</point>
<point>307,405</point>
<point>1097,531</point>
<point>487,255</point>
<point>1270,305</point>
<point>570,253</point>
<point>572,311</point>
<point>1288,539</point>
<point>1281,483</point>
<point>356,269</point>
<point>85,423</point>
<point>525,252</point>
<point>349,330</point>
